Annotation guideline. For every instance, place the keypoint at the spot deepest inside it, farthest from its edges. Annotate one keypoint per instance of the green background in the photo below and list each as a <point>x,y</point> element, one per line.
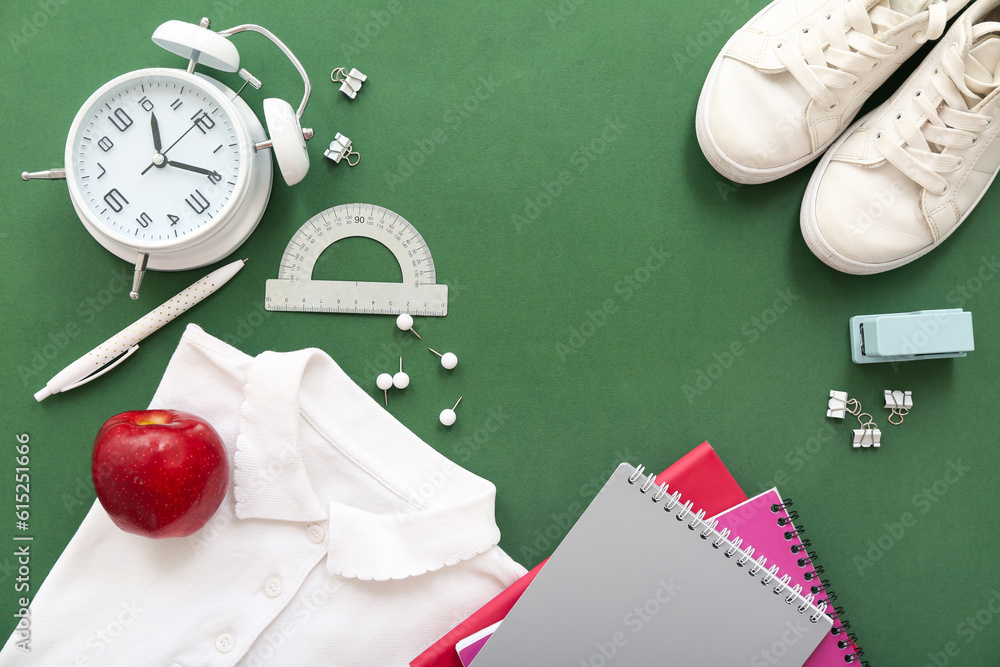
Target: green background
<point>578,347</point>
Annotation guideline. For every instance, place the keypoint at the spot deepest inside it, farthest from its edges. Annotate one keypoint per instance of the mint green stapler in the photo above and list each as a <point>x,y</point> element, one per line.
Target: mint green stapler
<point>923,334</point>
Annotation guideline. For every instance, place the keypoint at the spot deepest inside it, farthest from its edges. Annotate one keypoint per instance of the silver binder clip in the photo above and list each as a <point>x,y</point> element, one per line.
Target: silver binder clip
<point>867,437</point>
<point>838,406</point>
<point>900,403</point>
<point>350,82</point>
<point>342,149</point>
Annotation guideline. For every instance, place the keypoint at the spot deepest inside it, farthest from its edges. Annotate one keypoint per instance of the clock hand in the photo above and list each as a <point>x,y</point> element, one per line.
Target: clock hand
<point>188,167</point>
<point>155,126</point>
<point>161,156</point>
<point>193,125</point>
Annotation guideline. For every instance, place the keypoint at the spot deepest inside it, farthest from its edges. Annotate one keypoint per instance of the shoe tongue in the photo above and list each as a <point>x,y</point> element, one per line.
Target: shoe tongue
<point>982,65</point>
<point>905,7</point>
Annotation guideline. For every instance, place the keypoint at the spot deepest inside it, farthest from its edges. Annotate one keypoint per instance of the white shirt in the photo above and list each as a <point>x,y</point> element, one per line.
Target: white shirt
<point>344,539</point>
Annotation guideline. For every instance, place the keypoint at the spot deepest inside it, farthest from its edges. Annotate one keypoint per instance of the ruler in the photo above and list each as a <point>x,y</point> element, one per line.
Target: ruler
<point>295,290</point>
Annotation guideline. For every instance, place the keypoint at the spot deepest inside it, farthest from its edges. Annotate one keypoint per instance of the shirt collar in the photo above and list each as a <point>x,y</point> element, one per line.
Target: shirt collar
<point>445,513</point>
<point>269,477</point>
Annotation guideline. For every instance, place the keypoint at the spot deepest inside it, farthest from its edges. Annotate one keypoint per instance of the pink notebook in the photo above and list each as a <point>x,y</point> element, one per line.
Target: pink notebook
<point>765,523</point>
<point>469,647</point>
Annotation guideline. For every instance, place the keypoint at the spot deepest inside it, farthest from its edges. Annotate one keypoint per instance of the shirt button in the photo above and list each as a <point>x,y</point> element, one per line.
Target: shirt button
<point>315,533</point>
<point>272,587</point>
<point>225,642</point>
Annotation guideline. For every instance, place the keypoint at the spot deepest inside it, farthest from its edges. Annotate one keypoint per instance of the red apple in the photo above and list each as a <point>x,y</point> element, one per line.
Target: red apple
<point>159,473</point>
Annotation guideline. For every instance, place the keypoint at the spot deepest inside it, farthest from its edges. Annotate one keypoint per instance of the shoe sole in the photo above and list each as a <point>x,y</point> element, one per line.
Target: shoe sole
<point>721,162</point>
<point>826,254</point>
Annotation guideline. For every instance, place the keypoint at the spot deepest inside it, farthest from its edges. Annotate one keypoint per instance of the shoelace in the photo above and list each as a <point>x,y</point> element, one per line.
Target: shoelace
<point>944,120</point>
<point>834,56</point>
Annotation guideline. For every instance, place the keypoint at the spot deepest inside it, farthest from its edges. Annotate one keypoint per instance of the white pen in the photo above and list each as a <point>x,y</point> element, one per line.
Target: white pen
<point>122,345</point>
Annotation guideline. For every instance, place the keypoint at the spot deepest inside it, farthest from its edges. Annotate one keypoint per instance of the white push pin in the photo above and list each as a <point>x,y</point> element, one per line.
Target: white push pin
<point>449,359</point>
<point>400,380</point>
<point>384,382</point>
<point>448,415</point>
<point>405,323</point>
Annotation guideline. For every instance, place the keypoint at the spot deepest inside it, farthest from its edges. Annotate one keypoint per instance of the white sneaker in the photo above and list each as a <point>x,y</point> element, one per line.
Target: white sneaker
<point>905,176</point>
<point>789,81</point>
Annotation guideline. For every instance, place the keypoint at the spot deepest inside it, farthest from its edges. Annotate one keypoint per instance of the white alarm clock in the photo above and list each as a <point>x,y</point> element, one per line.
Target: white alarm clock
<point>167,167</point>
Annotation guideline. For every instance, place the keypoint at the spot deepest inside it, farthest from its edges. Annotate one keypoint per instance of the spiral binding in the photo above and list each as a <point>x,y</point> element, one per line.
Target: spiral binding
<point>807,558</point>
<point>695,520</point>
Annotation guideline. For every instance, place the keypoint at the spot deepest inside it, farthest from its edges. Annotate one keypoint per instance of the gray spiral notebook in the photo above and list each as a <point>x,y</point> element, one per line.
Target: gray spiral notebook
<point>641,579</point>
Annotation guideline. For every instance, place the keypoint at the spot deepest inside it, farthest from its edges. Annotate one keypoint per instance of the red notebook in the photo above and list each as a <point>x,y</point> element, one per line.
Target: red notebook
<point>699,475</point>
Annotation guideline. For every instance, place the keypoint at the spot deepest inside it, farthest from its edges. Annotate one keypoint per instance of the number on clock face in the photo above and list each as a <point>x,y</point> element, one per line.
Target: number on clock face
<point>156,158</point>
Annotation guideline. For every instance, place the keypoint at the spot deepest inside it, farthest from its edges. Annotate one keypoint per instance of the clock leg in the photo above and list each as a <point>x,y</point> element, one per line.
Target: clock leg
<point>140,271</point>
<point>48,174</point>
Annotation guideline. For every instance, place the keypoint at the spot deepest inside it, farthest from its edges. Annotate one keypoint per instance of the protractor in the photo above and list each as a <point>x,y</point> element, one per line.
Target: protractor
<point>295,290</point>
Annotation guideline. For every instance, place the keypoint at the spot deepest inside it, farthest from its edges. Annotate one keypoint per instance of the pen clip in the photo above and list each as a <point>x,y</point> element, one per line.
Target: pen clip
<point>128,353</point>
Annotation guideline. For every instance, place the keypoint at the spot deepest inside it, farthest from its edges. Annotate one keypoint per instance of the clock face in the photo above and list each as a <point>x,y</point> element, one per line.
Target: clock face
<point>156,157</point>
